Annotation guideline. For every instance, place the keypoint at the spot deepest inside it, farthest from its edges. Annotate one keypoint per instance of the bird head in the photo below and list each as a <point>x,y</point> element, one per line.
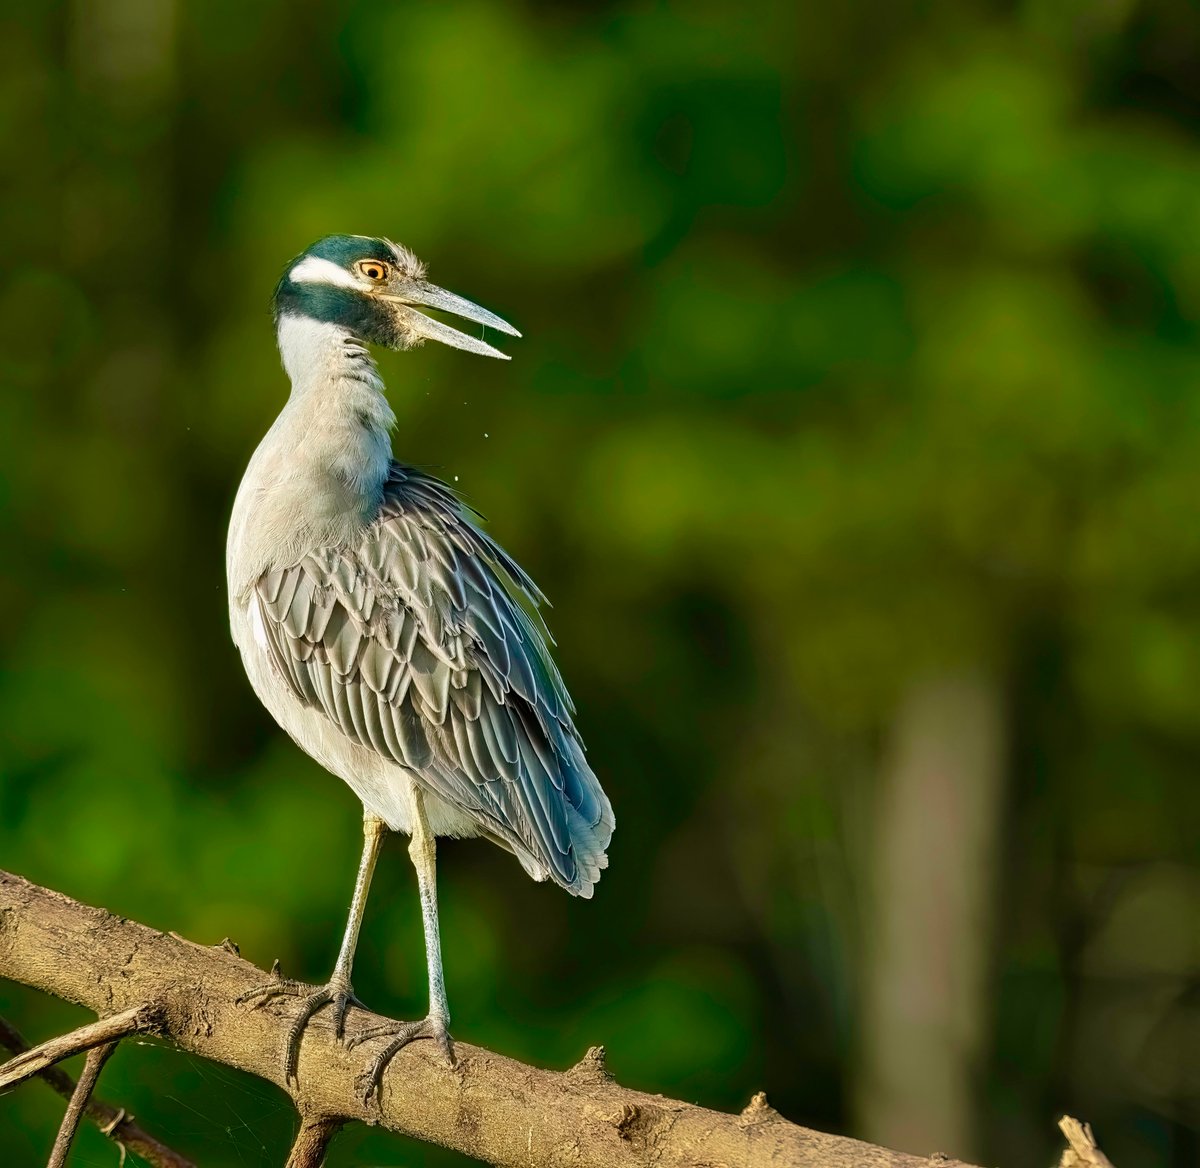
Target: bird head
<point>375,289</point>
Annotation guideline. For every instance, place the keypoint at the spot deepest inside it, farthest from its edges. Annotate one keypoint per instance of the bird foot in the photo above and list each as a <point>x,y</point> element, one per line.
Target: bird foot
<point>338,994</point>
<point>401,1034</point>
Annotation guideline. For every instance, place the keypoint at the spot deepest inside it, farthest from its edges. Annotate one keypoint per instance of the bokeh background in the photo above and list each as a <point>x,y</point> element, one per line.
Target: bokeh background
<point>855,436</point>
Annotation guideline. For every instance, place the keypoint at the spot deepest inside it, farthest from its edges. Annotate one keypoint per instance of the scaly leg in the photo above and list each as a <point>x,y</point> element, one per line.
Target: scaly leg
<point>338,992</point>
<point>422,849</point>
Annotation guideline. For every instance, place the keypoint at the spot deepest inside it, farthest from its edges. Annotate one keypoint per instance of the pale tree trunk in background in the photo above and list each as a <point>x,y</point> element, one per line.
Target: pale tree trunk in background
<point>930,916</point>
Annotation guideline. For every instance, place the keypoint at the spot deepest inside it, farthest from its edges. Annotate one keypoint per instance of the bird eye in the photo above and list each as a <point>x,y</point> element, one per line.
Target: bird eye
<point>373,269</point>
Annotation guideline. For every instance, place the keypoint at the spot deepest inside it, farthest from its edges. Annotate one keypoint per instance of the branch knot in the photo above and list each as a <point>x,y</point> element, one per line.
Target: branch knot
<point>592,1068</point>
<point>758,1110</point>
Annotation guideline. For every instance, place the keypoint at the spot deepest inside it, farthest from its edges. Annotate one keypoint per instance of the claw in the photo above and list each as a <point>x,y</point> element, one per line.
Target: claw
<point>401,1034</point>
<point>337,993</point>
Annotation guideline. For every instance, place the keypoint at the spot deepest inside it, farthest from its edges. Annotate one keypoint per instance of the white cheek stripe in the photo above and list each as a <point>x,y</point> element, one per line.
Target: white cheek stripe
<point>312,270</point>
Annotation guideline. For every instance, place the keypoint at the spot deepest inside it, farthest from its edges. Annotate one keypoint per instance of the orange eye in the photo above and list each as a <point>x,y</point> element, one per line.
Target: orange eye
<point>373,269</point>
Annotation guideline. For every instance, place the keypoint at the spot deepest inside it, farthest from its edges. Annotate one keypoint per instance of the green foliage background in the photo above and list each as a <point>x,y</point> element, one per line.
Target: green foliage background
<point>860,339</point>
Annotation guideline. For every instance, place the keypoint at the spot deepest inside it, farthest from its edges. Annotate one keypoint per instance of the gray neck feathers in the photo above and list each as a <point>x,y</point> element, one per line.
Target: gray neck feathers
<point>341,420</point>
<point>336,387</point>
<point>316,479</point>
<point>318,355</point>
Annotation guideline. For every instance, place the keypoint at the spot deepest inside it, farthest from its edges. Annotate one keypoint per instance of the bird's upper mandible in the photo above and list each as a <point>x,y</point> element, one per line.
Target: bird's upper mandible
<point>376,289</point>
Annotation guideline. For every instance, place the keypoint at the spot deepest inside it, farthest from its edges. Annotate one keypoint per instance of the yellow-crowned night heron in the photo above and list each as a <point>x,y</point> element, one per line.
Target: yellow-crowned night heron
<point>386,633</point>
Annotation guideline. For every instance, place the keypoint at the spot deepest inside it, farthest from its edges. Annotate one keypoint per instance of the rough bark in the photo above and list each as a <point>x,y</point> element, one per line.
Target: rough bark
<point>487,1106</point>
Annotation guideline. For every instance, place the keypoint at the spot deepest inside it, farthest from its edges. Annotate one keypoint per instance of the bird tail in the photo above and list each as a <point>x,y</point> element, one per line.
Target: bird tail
<point>590,821</point>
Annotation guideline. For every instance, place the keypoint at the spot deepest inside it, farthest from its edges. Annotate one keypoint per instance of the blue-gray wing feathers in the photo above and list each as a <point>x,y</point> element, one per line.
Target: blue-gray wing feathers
<point>415,643</point>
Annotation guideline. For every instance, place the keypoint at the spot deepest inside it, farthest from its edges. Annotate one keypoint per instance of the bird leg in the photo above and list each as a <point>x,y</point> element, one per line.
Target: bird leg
<point>422,850</point>
<point>338,993</point>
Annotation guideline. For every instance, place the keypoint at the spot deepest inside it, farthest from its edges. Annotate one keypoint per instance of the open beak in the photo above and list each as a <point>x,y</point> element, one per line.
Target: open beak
<point>431,296</point>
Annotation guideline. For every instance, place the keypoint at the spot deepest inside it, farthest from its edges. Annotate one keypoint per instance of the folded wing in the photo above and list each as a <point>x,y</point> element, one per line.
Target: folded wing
<point>415,643</point>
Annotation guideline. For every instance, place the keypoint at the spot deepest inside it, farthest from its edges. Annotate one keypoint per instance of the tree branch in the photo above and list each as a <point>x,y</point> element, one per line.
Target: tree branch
<point>102,1033</point>
<point>487,1106</point>
<point>115,1122</point>
<point>311,1142</point>
<point>1082,1150</point>
<point>97,1056</point>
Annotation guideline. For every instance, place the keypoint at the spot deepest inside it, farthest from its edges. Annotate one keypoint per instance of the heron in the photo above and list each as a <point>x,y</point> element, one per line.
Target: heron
<point>388,634</point>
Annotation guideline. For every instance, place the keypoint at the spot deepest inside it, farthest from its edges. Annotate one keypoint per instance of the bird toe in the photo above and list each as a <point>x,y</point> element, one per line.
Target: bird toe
<point>401,1034</point>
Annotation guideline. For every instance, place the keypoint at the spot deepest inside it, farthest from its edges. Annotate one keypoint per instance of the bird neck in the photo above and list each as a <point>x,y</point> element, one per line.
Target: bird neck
<point>316,479</point>
<point>319,473</point>
<point>337,418</point>
<point>318,355</point>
